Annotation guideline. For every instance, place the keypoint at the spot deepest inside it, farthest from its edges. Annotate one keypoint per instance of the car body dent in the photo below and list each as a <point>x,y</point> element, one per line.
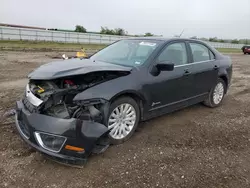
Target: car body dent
<point>72,67</point>
<point>59,126</point>
<point>112,88</point>
<point>77,131</point>
<point>93,129</point>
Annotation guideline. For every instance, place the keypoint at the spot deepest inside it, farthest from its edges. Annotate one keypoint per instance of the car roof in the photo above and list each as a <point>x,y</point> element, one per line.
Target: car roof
<point>162,39</point>
<point>175,39</point>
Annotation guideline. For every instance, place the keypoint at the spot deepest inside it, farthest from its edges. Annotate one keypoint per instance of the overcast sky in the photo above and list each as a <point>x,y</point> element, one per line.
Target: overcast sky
<point>202,18</point>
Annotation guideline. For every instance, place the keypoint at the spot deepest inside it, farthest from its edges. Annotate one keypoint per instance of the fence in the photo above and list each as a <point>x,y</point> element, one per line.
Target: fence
<point>8,33</point>
<point>225,45</point>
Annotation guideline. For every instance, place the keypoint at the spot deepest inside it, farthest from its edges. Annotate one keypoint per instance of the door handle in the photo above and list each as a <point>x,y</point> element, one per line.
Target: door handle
<point>186,72</point>
<point>215,67</point>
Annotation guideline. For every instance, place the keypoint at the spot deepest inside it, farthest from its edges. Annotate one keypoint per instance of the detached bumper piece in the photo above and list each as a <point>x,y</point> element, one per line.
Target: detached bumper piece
<point>68,141</point>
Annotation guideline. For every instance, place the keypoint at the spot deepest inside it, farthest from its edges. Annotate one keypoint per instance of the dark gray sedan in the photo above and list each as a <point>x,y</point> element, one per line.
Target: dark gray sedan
<point>72,108</point>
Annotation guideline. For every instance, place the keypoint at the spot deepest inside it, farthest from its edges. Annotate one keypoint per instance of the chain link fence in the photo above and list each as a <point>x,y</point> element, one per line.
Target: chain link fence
<point>9,33</point>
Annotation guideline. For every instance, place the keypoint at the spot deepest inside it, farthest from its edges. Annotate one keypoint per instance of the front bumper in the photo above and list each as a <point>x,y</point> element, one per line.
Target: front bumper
<point>78,133</point>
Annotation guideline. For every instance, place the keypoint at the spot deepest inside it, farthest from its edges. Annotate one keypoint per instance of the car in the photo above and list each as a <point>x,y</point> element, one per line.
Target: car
<point>246,49</point>
<point>72,108</point>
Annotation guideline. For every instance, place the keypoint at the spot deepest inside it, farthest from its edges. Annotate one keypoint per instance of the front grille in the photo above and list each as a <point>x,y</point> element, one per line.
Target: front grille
<point>24,129</point>
<point>30,107</point>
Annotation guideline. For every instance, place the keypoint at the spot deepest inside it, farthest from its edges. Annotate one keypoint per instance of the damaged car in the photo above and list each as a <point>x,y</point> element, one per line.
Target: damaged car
<point>72,108</point>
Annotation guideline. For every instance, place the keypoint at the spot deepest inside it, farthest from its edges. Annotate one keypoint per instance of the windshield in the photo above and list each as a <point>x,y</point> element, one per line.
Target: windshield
<point>127,52</point>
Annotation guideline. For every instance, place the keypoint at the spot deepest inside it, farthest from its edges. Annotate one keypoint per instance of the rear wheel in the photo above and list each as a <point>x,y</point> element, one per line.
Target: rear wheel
<point>216,94</point>
<point>124,115</point>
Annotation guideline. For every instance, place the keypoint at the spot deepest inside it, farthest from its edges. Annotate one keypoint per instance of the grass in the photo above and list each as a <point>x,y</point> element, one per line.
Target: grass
<point>49,45</point>
<point>229,50</point>
<point>55,45</point>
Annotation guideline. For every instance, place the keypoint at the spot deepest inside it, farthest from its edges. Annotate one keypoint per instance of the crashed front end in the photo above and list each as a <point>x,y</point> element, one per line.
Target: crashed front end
<point>50,120</point>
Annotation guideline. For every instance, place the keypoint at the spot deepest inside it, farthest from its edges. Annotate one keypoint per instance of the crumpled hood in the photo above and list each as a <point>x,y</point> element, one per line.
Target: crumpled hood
<point>72,67</point>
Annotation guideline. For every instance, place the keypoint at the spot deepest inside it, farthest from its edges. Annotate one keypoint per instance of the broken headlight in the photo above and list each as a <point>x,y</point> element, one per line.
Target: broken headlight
<point>50,142</point>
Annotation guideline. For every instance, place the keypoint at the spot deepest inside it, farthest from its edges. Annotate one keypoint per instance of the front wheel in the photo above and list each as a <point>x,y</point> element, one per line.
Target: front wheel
<point>124,115</point>
<point>216,94</point>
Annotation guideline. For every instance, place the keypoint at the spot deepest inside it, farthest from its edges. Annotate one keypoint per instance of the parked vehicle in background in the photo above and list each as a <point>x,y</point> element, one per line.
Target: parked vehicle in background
<point>72,107</point>
<point>246,49</point>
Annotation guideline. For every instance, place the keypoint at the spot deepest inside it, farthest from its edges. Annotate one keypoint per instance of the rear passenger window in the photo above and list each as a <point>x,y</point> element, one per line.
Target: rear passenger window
<point>201,52</point>
<point>175,53</point>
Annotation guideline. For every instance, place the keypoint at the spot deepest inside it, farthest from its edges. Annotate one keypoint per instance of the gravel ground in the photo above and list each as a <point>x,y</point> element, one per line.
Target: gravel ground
<point>193,147</point>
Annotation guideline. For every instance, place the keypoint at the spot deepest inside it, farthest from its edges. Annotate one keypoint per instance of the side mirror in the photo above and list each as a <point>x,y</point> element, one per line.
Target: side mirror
<point>156,70</point>
<point>165,66</point>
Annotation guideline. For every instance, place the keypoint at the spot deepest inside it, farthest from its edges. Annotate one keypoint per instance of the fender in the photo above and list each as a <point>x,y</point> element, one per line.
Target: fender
<point>226,70</point>
<point>222,72</point>
<point>112,88</point>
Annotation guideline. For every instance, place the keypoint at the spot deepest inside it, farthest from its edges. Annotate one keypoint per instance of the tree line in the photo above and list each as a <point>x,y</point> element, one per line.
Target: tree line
<point>123,32</point>
<point>108,31</point>
<point>233,41</point>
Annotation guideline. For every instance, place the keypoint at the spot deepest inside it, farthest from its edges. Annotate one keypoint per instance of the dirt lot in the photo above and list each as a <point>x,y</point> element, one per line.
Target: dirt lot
<point>194,147</point>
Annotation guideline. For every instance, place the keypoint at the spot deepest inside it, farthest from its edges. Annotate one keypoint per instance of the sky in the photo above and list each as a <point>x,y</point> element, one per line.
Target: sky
<point>227,19</point>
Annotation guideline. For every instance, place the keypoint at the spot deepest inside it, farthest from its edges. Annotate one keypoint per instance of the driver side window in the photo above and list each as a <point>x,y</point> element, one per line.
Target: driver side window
<point>174,53</point>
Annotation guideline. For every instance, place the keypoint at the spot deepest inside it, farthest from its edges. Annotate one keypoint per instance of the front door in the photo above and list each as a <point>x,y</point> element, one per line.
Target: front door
<point>169,88</point>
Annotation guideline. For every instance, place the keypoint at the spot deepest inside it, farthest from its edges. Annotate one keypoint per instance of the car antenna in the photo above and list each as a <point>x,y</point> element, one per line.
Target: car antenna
<point>181,33</point>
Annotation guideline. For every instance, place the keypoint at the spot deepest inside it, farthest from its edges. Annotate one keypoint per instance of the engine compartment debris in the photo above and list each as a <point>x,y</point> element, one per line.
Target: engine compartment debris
<point>57,96</point>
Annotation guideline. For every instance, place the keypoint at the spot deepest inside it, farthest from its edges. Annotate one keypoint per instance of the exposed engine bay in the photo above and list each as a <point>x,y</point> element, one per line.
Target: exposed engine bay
<point>57,96</point>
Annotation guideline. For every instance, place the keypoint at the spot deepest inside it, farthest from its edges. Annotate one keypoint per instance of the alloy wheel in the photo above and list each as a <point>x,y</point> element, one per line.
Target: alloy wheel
<point>121,121</point>
<point>218,93</point>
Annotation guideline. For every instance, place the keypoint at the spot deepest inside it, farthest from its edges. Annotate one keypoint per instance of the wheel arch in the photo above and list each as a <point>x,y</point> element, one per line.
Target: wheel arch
<point>225,79</point>
<point>140,100</point>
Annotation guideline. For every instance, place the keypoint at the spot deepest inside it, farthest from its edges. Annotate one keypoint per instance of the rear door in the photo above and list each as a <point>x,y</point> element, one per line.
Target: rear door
<point>204,68</point>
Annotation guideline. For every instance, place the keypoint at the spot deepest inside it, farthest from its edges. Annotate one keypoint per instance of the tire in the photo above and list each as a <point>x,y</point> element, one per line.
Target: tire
<point>119,126</point>
<point>211,100</point>
<point>245,53</point>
